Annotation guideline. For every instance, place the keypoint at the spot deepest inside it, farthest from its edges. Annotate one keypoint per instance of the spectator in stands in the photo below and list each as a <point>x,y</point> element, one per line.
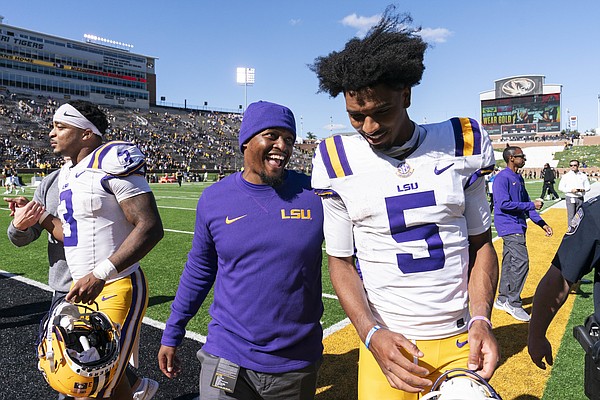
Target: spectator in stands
<point>265,269</point>
<point>512,206</point>
<point>574,184</point>
<point>548,175</point>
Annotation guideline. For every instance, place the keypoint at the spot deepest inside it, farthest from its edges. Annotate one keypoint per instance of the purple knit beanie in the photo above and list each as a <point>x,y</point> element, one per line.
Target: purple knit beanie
<point>264,115</point>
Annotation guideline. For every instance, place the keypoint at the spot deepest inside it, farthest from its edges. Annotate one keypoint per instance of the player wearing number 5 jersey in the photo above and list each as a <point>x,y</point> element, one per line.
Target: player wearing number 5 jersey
<point>407,223</point>
<point>108,221</point>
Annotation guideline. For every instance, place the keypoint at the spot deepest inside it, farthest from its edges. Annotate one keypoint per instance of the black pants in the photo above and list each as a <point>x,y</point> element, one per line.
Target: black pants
<point>549,186</point>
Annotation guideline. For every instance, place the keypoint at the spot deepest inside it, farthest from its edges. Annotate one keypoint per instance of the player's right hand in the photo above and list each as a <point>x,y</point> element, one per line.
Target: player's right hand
<point>168,362</point>
<point>395,355</point>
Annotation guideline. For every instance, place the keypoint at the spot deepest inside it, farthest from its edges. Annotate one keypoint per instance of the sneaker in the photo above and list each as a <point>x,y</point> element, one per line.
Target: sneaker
<point>517,312</point>
<point>499,305</point>
<point>146,390</point>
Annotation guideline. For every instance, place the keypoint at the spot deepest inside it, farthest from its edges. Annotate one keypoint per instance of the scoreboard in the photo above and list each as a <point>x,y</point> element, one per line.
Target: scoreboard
<point>523,115</point>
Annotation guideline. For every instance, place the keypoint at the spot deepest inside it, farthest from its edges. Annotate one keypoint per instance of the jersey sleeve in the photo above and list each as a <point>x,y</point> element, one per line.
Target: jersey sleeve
<point>128,186</point>
<point>337,227</point>
<point>477,209</point>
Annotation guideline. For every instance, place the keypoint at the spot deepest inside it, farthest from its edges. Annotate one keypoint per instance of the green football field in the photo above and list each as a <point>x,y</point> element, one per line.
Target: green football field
<point>163,267</point>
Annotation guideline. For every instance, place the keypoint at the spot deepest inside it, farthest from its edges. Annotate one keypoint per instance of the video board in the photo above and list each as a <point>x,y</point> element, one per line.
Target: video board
<point>541,111</point>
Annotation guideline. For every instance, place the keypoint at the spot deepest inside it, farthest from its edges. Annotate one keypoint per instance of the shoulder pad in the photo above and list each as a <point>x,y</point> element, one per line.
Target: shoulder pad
<point>119,159</point>
<point>334,157</point>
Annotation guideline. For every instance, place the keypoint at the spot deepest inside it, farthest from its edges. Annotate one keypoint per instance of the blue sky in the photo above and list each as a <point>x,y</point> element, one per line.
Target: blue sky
<point>201,43</point>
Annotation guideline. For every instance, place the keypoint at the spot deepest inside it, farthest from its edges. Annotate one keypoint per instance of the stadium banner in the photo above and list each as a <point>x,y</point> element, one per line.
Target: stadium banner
<point>541,110</point>
<point>519,86</point>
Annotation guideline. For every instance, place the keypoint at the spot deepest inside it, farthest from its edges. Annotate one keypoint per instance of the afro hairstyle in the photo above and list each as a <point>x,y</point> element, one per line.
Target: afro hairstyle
<point>390,54</point>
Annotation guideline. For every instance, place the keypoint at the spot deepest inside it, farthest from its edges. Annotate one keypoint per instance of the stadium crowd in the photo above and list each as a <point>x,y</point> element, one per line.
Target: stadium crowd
<point>192,141</point>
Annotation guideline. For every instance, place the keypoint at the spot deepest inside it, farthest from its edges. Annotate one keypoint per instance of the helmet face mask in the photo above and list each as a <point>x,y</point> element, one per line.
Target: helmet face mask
<point>78,350</point>
<point>461,384</point>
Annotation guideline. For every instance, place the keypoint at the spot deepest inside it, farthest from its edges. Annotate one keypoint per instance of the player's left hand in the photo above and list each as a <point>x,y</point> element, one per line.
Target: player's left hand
<point>85,290</point>
<point>27,215</point>
<point>484,352</point>
<point>15,202</point>
<point>548,230</point>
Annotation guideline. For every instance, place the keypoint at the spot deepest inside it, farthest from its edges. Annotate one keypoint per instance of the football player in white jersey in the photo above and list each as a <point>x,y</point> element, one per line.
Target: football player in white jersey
<point>108,221</point>
<point>407,223</point>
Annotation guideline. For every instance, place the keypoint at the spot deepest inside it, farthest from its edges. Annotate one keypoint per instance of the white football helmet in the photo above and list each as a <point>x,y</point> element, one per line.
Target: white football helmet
<point>78,350</point>
<point>461,384</point>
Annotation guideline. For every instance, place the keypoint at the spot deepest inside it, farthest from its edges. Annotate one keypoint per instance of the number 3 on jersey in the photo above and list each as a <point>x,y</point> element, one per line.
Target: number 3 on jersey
<point>70,237</point>
<point>430,233</point>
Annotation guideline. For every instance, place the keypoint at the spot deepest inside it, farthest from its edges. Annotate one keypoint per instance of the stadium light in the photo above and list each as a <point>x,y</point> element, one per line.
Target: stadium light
<point>245,76</point>
<point>107,42</point>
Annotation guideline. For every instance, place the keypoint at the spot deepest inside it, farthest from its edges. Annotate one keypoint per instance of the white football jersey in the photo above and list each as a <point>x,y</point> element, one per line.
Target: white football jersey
<point>407,222</point>
<point>94,224</point>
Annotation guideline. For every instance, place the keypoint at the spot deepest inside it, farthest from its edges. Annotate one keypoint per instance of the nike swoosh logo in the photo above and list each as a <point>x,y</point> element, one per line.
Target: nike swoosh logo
<point>439,171</point>
<point>69,115</point>
<point>77,175</point>
<point>460,345</point>
<point>104,298</point>
<point>231,221</point>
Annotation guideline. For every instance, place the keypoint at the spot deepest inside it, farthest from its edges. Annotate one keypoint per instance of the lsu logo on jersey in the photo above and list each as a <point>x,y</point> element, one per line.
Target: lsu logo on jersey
<point>295,213</point>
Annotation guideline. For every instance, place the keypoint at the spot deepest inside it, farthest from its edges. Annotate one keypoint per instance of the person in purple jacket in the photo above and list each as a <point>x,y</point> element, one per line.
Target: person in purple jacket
<point>512,206</point>
<point>257,240</point>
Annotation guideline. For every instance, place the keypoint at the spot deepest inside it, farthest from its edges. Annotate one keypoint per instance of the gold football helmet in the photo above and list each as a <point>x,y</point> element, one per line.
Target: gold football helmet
<point>78,350</point>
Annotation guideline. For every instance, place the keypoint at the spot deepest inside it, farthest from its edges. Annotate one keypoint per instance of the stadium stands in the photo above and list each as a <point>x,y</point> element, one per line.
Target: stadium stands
<point>171,138</point>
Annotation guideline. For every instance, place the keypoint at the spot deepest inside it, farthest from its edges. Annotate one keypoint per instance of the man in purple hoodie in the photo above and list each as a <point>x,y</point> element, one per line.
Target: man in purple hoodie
<point>257,240</point>
<point>512,206</point>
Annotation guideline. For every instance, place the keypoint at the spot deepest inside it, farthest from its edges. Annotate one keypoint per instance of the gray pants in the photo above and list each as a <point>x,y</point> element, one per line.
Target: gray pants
<point>252,385</point>
<point>515,267</point>
<point>573,204</point>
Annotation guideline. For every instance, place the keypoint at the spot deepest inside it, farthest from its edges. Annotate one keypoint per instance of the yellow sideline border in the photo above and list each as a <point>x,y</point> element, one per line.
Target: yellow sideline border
<point>338,373</point>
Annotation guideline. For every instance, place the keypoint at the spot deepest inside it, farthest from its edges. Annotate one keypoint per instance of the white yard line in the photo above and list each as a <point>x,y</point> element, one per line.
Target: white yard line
<point>178,208</point>
<point>176,231</point>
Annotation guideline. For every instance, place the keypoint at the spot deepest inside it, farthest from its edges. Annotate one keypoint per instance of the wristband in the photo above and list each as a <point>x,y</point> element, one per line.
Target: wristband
<point>479,318</point>
<point>370,334</point>
<point>105,270</point>
<point>45,215</point>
